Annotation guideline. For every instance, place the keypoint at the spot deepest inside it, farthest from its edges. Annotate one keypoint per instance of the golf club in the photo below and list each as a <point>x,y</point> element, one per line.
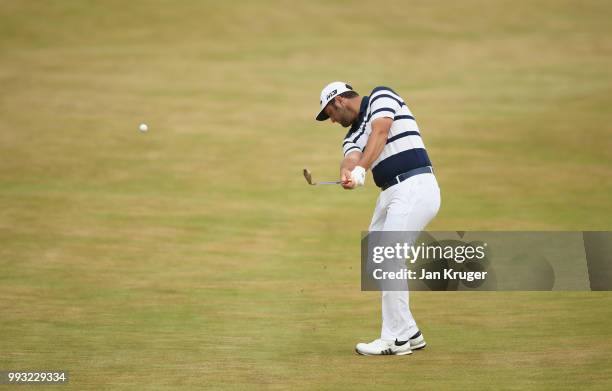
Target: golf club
<point>308,177</point>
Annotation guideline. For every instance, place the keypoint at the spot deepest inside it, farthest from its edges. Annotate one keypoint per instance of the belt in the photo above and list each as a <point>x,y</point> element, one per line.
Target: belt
<point>402,177</point>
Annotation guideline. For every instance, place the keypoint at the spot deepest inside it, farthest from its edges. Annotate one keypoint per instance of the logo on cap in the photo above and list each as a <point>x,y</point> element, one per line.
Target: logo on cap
<point>331,94</point>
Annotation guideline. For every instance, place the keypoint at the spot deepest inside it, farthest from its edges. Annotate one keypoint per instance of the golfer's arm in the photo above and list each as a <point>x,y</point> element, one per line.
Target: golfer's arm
<point>376,142</point>
<point>350,161</point>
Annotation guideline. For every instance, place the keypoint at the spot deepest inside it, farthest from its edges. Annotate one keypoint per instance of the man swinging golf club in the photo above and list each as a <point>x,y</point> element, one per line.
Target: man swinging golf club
<point>385,139</point>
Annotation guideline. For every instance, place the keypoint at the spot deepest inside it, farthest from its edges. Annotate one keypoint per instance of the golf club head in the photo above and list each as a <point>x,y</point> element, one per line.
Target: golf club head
<point>308,176</point>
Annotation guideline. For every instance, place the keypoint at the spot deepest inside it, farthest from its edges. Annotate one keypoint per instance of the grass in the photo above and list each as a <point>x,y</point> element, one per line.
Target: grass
<point>193,256</point>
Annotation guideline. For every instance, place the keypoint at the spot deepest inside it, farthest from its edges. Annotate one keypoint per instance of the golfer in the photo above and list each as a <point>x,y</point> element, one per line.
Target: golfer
<point>385,139</point>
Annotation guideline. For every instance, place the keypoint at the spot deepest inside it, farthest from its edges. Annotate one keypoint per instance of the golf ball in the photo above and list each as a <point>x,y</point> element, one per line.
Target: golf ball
<point>143,127</point>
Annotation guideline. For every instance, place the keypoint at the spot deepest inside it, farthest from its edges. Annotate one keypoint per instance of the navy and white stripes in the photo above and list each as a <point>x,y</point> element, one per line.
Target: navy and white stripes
<point>404,150</point>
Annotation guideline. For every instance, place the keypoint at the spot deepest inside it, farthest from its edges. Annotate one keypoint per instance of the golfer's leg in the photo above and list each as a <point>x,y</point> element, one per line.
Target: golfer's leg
<point>376,225</point>
<point>413,205</point>
<point>380,213</point>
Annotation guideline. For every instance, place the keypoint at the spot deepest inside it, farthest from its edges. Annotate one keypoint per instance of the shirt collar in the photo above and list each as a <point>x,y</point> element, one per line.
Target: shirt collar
<point>362,111</point>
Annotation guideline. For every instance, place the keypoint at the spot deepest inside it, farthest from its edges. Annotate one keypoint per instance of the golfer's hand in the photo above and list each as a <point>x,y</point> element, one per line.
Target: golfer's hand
<point>358,176</point>
<point>345,177</point>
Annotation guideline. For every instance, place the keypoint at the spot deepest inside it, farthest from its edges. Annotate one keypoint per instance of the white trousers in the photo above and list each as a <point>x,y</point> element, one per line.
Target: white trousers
<point>407,206</point>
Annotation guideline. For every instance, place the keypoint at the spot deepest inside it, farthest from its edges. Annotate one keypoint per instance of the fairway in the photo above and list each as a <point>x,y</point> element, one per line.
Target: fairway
<point>195,255</point>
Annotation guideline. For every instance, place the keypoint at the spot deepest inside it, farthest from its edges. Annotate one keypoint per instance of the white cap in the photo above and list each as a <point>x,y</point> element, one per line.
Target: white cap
<point>328,93</point>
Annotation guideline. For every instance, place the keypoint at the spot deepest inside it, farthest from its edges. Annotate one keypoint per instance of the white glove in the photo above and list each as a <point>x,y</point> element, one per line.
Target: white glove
<point>358,175</point>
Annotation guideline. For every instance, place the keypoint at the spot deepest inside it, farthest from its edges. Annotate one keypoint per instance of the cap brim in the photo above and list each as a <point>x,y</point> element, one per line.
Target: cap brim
<point>322,116</point>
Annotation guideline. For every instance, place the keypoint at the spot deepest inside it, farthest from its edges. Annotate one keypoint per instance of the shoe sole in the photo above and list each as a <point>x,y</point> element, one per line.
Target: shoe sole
<point>419,346</point>
<point>392,354</point>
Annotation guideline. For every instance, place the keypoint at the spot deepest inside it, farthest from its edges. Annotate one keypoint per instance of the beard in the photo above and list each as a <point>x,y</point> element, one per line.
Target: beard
<point>344,117</point>
<point>345,122</point>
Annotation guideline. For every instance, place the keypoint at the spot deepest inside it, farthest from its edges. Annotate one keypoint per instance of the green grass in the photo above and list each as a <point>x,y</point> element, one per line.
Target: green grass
<point>195,257</point>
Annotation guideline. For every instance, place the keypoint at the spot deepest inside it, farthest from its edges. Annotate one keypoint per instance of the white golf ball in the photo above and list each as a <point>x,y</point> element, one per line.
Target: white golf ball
<point>143,127</point>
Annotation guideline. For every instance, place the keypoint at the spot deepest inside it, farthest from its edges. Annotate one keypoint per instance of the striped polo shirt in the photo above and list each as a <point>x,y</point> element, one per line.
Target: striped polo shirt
<point>404,151</point>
